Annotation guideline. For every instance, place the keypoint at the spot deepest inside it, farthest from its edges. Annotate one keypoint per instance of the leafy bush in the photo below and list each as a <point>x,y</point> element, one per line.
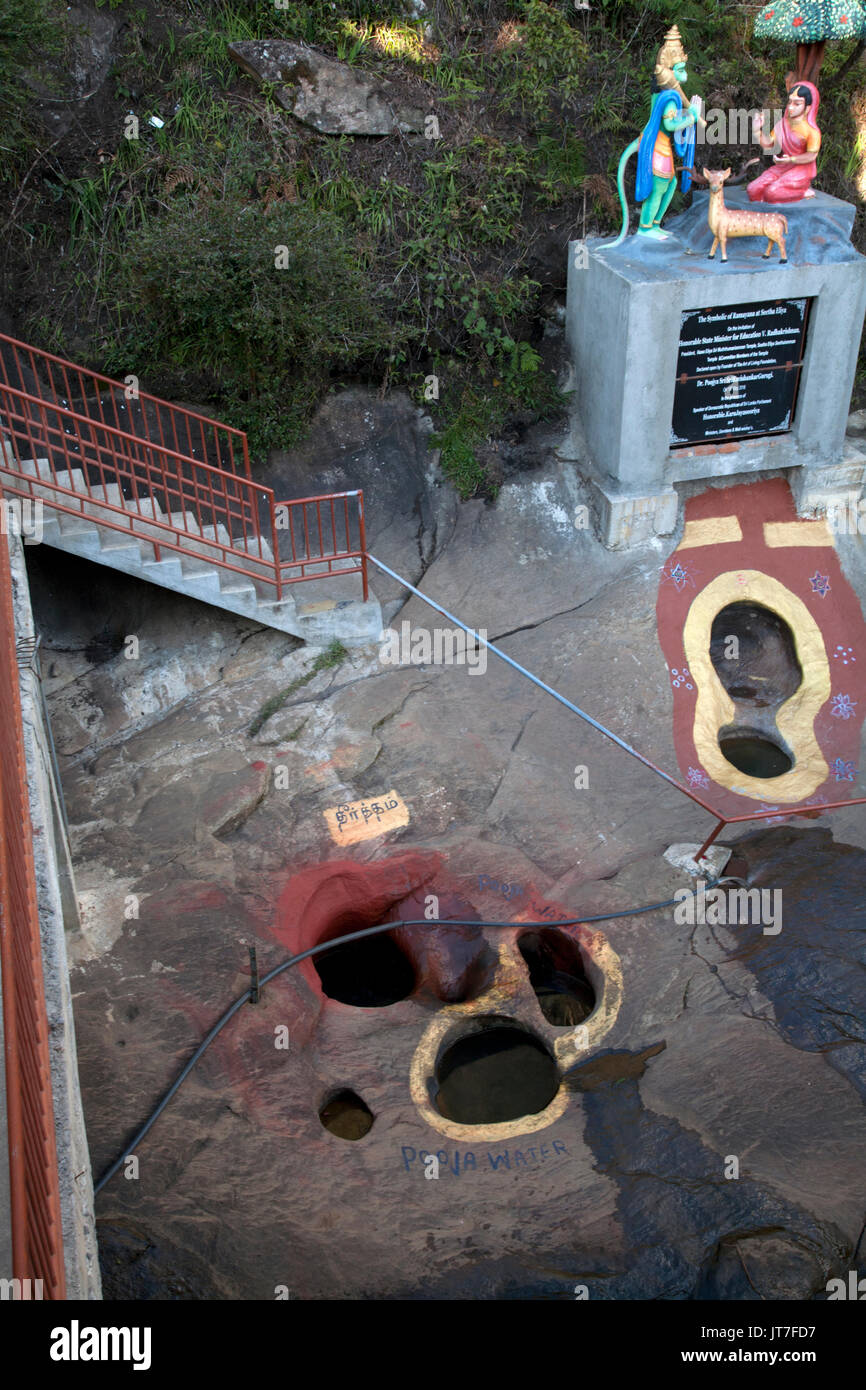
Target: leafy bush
<point>265,301</point>
<point>547,62</point>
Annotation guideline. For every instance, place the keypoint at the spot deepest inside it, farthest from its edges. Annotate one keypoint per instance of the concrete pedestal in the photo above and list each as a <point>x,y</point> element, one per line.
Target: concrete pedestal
<point>624,314</point>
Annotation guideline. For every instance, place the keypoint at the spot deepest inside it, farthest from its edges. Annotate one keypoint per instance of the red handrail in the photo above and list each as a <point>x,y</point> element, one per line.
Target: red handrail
<point>196,494</point>
<point>37,1241</point>
<point>224,438</point>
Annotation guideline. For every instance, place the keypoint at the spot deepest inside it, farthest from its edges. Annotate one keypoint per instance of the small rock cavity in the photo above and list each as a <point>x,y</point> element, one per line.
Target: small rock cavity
<point>755,657</point>
<point>369,974</point>
<point>346,1116</point>
<point>756,756</point>
<point>556,973</point>
<point>495,1073</point>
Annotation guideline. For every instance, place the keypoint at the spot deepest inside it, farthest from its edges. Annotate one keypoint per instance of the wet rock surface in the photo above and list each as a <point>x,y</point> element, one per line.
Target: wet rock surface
<point>195,841</point>
<point>819,1000</point>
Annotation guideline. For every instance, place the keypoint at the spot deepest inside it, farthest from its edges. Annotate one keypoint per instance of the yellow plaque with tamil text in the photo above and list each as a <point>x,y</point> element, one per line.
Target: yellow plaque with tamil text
<point>363,820</point>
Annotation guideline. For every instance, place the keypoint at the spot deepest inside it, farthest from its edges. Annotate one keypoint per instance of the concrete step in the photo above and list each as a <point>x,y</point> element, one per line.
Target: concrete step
<point>149,509</point>
<point>38,468</point>
<point>110,493</point>
<point>126,555</point>
<point>269,607</point>
<point>185,521</point>
<point>349,621</point>
<point>50,528</point>
<point>167,572</point>
<point>236,584</point>
<point>216,533</point>
<point>204,586</point>
<point>251,545</point>
<point>84,542</point>
<point>73,524</point>
<point>73,479</point>
<point>195,567</point>
<point>195,537</point>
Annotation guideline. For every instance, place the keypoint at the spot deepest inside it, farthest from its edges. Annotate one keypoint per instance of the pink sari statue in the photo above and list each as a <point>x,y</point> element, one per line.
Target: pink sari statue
<point>790,178</point>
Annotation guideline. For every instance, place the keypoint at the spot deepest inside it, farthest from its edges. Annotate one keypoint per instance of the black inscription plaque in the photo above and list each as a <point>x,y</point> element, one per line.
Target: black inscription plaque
<point>738,370</point>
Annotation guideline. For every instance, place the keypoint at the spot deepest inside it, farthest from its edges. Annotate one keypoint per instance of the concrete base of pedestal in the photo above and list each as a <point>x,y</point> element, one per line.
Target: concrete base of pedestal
<point>831,491</point>
<point>623,521</point>
<point>623,323</point>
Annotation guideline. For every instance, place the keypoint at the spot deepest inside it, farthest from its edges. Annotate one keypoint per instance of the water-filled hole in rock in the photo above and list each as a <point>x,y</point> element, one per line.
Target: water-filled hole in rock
<point>753,754</point>
<point>369,974</point>
<point>496,1073</point>
<point>346,1116</point>
<point>556,973</point>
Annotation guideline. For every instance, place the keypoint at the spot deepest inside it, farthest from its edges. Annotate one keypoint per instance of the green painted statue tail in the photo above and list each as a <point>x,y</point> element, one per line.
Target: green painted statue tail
<point>620,186</point>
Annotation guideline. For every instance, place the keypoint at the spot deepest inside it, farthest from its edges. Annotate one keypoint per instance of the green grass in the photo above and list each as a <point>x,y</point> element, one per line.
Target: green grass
<point>460,441</point>
<point>547,65</point>
<point>333,655</point>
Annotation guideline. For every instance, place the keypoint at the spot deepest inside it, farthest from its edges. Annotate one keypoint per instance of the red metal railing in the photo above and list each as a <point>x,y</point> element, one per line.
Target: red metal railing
<point>72,451</point>
<point>37,1242</point>
<point>137,414</point>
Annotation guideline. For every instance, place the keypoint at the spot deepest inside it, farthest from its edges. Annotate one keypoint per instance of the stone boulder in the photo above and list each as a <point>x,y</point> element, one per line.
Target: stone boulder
<point>90,51</point>
<point>382,447</point>
<point>329,96</point>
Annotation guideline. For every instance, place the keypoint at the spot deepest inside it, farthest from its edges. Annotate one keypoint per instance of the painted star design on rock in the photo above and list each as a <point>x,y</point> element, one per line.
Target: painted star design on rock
<point>680,576</point>
<point>844,771</point>
<point>697,778</point>
<point>843,706</point>
<point>820,584</point>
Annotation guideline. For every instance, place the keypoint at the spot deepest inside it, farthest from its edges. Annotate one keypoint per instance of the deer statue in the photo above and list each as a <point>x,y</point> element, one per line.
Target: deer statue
<point>730,222</point>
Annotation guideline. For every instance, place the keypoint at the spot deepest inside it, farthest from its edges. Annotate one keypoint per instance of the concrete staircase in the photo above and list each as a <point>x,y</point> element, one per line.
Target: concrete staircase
<point>313,611</point>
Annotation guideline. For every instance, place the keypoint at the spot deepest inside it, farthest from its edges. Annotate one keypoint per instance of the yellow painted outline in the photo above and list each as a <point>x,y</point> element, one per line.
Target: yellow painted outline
<point>604,969</point>
<point>795,719</point>
<point>779,534</point>
<point>711,530</point>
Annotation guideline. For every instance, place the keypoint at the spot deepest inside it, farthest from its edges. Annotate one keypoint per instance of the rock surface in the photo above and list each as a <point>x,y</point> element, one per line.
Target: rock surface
<point>88,58</point>
<point>383,448</point>
<point>195,841</point>
<point>329,96</point>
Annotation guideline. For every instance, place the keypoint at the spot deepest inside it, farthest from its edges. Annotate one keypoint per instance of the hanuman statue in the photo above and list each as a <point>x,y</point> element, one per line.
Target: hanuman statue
<point>671,126</point>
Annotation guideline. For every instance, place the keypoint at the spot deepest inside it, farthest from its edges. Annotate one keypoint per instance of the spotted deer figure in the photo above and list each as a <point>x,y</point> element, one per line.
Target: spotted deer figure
<point>730,222</point>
